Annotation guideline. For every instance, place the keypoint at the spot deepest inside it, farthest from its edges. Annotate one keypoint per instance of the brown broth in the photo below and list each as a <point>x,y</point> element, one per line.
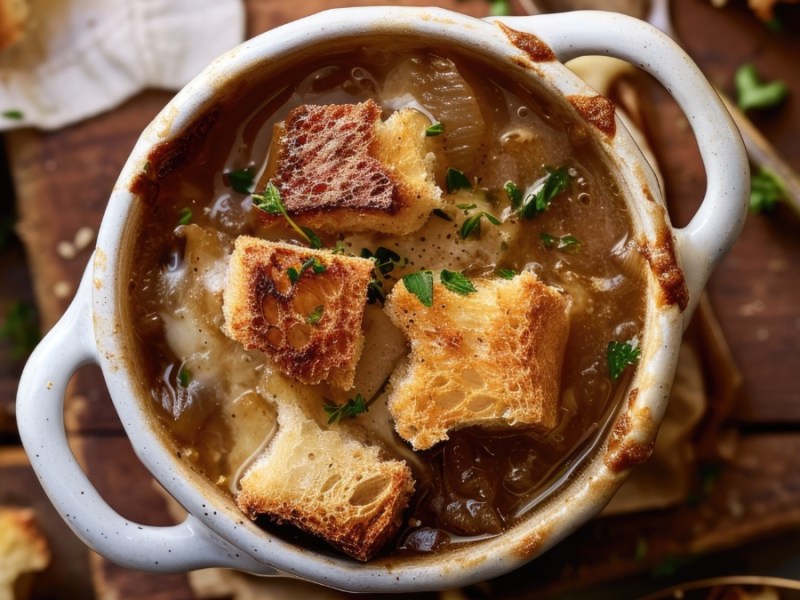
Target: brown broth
<point>479,481</point>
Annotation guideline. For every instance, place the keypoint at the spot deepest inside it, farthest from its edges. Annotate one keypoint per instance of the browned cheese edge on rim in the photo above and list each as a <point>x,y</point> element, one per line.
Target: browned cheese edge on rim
<point>623,451</point>
<point>532,46</point>
<point>664,264</point>
<point>596,110</point>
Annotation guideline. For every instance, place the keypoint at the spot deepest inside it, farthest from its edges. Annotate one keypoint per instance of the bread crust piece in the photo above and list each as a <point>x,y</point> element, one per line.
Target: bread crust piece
<point>327,484</point>
<point>339,168</point>
<point>23,547</point>
<point>264,310</point>
<point>13,16</point>
<point>489,358</point>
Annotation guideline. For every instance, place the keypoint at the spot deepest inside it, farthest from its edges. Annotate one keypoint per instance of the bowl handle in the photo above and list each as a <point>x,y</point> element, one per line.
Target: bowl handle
<point>720,218</point>
<point>40,418</point>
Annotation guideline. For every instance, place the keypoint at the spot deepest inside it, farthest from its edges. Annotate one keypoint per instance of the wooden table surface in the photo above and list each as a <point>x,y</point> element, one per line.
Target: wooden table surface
<point>62,181</point>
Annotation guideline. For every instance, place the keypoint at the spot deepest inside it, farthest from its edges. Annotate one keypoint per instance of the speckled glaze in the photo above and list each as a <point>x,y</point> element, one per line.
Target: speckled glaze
<point>215,533</point>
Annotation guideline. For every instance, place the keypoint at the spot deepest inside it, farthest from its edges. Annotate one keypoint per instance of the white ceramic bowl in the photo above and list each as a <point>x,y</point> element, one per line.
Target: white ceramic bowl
<point>216,533</point>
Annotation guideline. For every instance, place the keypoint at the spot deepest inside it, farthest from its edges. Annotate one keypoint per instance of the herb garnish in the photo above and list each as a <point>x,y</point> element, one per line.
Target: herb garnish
<point>473,224</point>
<point>536,203</point>
<point>457,282</point>
<point>514,194</point>
<point>621,355</point>
<point>766,190</point>
<point>456,180</point>
<point>270,202</point>
<point>753,93</point>
<point>567,243</point>
<point>435,129</point>
<point>438,212</point>
<point>466,207</point>
<point>20,329</point>
<point>352,408</point>
<point>315,316</point>
<point>241,180</point>
<point>184,377</point>
<point>385,260</point>
<point>506,273</point>
<point>421,285</point>
<point>312,263</point>
<point>185,216</point>
<point>13,115</point>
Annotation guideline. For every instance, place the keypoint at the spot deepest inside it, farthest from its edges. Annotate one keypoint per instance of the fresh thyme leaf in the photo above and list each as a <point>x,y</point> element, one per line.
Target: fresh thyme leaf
<point>352,408</point>
<point>766,190</point>
<point>456,180</point>
<point>619,356</point>
<point>312,263</point>
<point>536,203</point>
<point>466,206</point>
<point>339,248</point>
<point>438,212</point>
<point>457,282</point>
<point>313,239</point>
<point>375,291</point>
<point>514,194</point>
<point>566,243</point>
<point>500,8</point>
<point>435,129</point>
<point>506,273</point>
<point>184,377</point>
<point>241,180</point>
<point>315,315</point>
<point>421,285</point>
<point>13,115</point>
<point>473,224</point>
<point>20,329</point>
<point>185,216</point>
<point>756,94</point>
<point>385,259</point>
<point>272,204</point>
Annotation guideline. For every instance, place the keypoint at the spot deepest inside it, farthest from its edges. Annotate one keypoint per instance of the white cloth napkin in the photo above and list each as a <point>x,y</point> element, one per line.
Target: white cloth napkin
<point>82,57</point>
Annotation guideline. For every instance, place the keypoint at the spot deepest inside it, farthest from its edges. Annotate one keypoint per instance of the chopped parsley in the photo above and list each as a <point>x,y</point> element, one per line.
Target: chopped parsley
<point>466,207</point>
<point>315,316</point>
<point>434,130</point>
<point>456,180</point>
<point>184,377</point>
<point>755,94</point>
<point>421,285</point>
<point>352,408</point>
<point>241,180</point>
<point>514,194</point>
<point>13,115</point>
<point>538,202</point>
<point>621,355</point>
<point>312,263</point>
<point>185,216</point>
<point>457,282</point>
<point>385,259</point>
<point>766,190</point>
<point>473,224</point>
<point>506,273</point>
<point>566,243</point>
<point>272,204</point>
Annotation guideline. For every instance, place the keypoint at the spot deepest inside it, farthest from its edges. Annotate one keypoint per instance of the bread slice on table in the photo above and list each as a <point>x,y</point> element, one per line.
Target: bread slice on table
<point>339,168</point>
<point>489,358</point>
<point>326,483</point>
<point>13,17</point>
<point>310,328</point>
<point>23,549</point>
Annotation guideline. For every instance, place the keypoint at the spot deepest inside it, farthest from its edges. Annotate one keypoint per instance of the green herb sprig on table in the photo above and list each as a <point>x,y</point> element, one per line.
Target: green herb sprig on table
<point>20,329</point>
<point>766,191</point>
<point>753,93</point>
<point>272,204</point>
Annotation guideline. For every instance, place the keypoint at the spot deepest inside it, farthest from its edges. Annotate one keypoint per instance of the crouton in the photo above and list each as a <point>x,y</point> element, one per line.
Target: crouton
<point>326,483</point>
<point>338,168</point>
<point>303,308</point>
<point>492,357</point>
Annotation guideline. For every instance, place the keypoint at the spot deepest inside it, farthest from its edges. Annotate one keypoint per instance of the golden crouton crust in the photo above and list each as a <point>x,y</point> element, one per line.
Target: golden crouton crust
<point>488,358</point>
<point>265,311</point>
<point>339,168</point>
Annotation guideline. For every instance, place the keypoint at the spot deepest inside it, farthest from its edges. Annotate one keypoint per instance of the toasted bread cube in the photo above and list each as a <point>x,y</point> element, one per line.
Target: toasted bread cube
<point>327,483</point>
<point>309,328</point>
<point>339,168</point>
<point>488,358</point>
